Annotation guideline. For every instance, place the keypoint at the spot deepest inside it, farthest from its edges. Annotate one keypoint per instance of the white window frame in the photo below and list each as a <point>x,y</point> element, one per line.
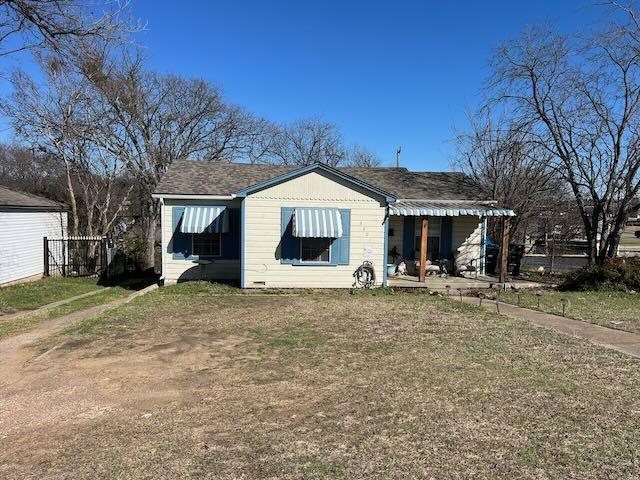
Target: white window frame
<point>323,262</point>
<point>193,249</point>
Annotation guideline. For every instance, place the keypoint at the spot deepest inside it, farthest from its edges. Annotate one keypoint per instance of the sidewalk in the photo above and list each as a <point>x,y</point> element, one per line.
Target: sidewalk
<point>624,342</point>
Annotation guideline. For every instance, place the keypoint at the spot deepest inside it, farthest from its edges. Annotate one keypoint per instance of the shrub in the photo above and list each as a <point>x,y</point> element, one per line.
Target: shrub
<point>620,274</point>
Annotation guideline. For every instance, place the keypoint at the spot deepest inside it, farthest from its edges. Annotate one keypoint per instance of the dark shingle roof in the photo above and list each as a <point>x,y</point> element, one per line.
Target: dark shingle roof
<point>14,199</point>
<point>216,178</point>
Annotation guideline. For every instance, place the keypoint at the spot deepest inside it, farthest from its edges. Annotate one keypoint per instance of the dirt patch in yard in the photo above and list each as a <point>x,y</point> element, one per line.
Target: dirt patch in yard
<point>317,386</point>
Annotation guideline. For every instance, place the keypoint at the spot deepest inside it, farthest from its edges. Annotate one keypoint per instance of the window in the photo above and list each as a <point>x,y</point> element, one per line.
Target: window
<point>315,249</point>
<point>206,244</point>
<point>433,238</point>
<point>433,247</point>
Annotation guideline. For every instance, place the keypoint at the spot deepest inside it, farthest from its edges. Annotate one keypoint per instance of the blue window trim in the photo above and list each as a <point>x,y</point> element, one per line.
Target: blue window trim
<point>299,263</point>
<point>181,256</point>
<point>333,262</point>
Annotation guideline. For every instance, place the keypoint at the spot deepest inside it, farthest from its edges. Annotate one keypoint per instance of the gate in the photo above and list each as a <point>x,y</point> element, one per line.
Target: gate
<point>75,256</point>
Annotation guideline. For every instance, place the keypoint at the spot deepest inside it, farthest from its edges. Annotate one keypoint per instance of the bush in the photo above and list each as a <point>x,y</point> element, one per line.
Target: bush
<point>621,274</point>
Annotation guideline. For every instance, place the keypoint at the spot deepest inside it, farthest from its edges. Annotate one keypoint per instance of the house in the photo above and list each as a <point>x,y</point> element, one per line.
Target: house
<point>313,226</point>
<point>24,221</point>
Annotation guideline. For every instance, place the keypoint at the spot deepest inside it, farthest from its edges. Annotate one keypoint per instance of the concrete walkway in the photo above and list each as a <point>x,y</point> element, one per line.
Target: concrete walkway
<point>624,342</point>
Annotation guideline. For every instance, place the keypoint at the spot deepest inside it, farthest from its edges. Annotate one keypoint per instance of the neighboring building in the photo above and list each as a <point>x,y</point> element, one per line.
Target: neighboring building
<point>24,221</point>
<point>313,226</point>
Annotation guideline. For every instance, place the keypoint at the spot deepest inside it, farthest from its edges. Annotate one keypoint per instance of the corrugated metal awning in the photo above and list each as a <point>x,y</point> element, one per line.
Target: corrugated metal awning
<point>200,219</point>
<point>317,222</point>
<point>451,208</point>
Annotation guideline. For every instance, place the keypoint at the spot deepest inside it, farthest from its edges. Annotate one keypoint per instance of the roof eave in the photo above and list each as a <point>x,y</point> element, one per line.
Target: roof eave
<point>36,208</point>
<point>193,196</point>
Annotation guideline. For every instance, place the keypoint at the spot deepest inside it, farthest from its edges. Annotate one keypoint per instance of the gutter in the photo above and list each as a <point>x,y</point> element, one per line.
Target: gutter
<point>185,196</point>
<point>482,202</point>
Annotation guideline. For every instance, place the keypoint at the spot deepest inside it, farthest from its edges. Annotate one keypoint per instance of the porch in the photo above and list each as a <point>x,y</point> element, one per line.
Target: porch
<point>440,283</point>
<point>444,236</point>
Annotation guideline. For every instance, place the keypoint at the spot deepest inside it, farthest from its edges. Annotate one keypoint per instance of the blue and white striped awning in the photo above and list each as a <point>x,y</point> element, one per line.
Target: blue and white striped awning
<point>449,208</point>
<point>200,219</point>
<point>317,222</point>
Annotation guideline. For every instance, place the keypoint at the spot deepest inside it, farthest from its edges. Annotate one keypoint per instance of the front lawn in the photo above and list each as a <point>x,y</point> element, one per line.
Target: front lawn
<point>187,382</point>
<point>9,327</point>
<point>31,295</point>
<point>629,240</point>
<point>610,309</point>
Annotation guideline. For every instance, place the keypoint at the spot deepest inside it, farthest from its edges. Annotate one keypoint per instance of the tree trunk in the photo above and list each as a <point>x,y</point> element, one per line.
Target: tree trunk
<point>75,226</point>
<point>149,225</point>
<point>150,253</point>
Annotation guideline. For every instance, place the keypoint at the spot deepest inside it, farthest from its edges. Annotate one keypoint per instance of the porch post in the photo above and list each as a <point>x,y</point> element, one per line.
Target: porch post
<point>504,249</point>
<point>423,249</point>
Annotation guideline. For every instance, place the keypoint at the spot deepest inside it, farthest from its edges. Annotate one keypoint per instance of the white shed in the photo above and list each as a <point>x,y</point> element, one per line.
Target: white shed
<point>25,220</point>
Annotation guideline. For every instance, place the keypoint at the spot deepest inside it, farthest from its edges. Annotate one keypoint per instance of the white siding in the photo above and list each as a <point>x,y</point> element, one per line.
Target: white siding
<point>21,245</point>
<point>262,209</point>
<point>467,240</point>
<point>174,270</point>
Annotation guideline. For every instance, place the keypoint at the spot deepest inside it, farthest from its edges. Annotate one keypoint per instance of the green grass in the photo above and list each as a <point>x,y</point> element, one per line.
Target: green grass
<point>601,308</point>
<point>325,385</point>
<point>31,295</point>
<point>13,327</point>
<point>629,240</point>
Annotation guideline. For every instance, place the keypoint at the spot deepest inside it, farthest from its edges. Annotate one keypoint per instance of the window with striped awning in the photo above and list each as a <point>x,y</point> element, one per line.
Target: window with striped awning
<point>317,223</point>
<point>205,219</point>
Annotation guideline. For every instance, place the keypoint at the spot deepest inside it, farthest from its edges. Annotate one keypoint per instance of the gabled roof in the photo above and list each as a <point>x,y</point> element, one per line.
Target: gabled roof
<point>14,199</point>
<point>316,166</point>
<point>190,177</point>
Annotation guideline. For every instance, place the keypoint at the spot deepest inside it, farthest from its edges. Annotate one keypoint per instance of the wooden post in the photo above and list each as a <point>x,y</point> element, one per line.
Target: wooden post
<point>45,270</point>
<point>423,249</point>
<point>504,249</point>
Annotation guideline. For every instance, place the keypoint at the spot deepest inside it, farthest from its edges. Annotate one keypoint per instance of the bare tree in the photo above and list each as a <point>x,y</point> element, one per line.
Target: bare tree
<point>360,157</point>
<point>28,24</point>
<point>507,165</point>
<point>582,98</point>
<point>61,120</point>
<point>306,142</point>
<point>33,172</point>
<point>151,120</point>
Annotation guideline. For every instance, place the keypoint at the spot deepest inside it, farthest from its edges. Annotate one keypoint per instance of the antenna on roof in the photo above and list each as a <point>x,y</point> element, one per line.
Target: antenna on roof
<point>398,156</point>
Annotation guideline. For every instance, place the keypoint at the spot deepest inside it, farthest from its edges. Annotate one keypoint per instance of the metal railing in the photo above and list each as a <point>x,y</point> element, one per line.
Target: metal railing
<point>75,256</point>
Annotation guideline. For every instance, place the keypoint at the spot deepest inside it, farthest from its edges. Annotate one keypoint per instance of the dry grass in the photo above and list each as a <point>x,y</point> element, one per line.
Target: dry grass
<point>31,295</point>
<point>184,384</point>
<point>9,327</point>
<point>616,310</point>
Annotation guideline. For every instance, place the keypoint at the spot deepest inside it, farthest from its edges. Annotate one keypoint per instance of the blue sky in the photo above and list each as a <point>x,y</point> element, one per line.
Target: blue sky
<point>386,73</point>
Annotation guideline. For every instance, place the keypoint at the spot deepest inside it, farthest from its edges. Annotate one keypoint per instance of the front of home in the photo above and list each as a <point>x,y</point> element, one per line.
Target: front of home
<point>313,226</point>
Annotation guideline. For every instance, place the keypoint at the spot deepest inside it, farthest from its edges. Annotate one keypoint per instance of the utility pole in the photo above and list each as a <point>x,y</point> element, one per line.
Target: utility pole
<point>398,156</point>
